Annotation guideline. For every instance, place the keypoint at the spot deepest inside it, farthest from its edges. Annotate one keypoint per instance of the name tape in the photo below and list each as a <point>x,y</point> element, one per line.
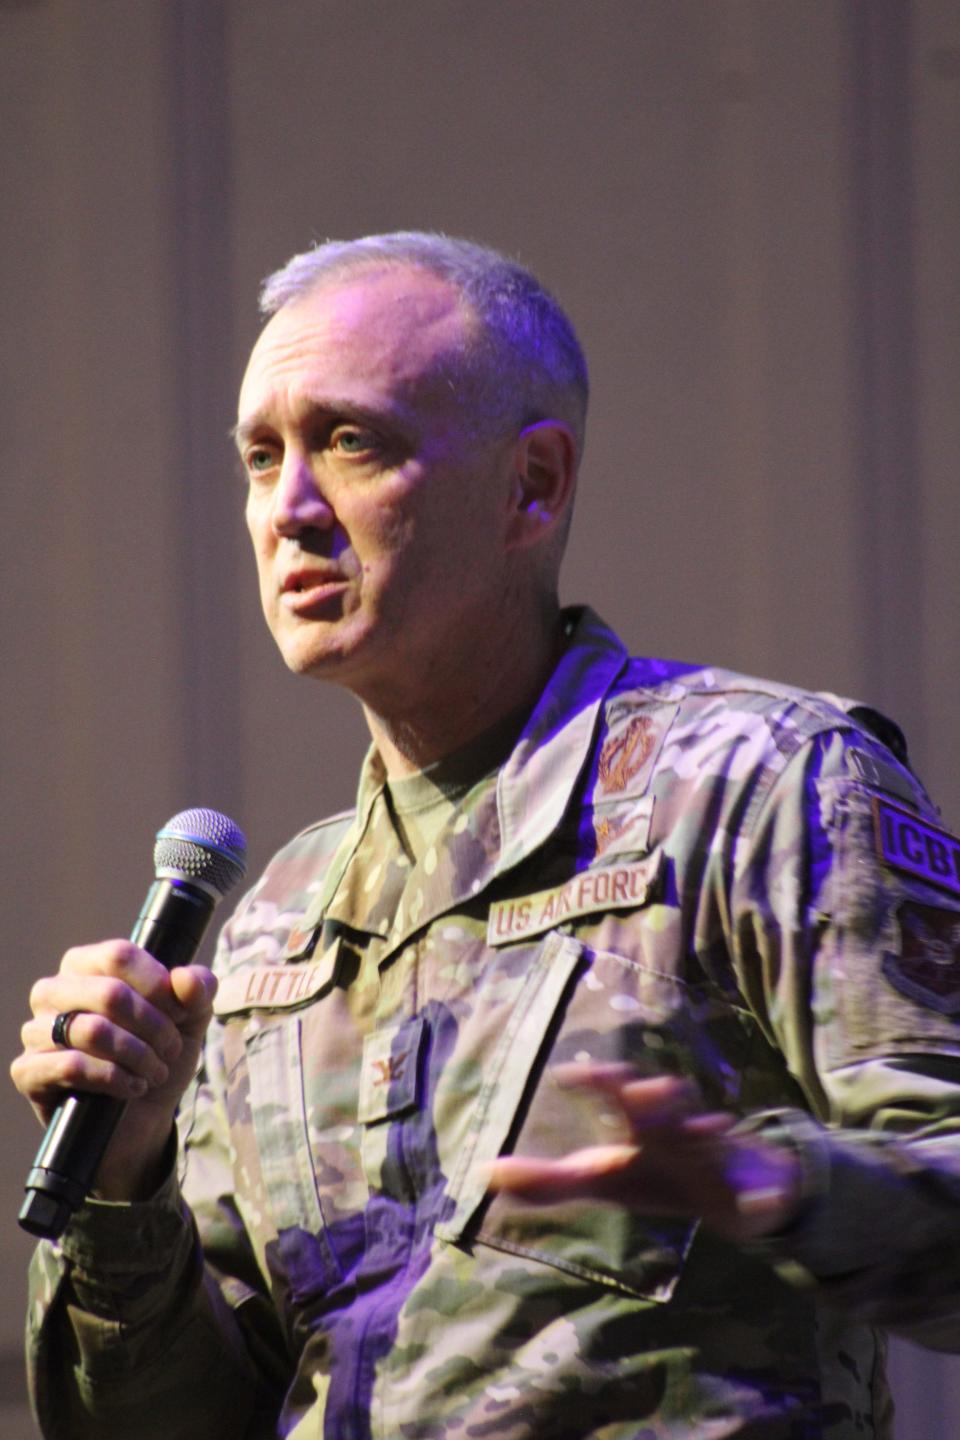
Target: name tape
<point>614,887</point>
<point>274,987</point>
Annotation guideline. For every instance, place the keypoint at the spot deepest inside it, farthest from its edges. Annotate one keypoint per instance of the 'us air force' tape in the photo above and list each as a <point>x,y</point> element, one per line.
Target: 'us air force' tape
<point>916,847</point>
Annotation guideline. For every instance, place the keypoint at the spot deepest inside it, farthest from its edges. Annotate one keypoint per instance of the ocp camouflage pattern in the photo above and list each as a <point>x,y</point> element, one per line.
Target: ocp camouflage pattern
<point>676,866</point>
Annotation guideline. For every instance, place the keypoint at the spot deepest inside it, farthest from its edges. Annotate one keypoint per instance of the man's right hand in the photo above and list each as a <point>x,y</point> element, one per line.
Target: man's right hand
<point>136,1034</point>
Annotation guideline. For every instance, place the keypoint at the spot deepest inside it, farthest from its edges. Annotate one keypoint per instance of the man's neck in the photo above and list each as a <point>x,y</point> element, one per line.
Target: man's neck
<point>446,718</point>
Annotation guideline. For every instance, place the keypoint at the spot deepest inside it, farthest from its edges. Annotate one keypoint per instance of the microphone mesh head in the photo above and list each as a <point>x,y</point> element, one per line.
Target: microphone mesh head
<point>201,846</point>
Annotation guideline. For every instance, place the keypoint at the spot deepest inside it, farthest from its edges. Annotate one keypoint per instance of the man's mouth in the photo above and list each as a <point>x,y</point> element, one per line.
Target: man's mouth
<point>306,590</point>
<point>296,582</point>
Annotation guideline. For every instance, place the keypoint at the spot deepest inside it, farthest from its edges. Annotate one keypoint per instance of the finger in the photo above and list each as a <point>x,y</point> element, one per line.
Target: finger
<point>104,995</point>
<point>607,1075</point>
<point>661,1102</point>
<point>194,988</point>
<point>600,1172</point>
<point>125,961</point>
<point>708,1125</point>
<point>647,1102</point>
<point>43,1077</point>
<point>101,1039</point>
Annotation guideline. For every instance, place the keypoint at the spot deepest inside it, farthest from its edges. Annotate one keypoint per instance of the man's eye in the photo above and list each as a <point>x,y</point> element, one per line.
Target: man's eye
<point>258,460</point>
<point>352,440</point>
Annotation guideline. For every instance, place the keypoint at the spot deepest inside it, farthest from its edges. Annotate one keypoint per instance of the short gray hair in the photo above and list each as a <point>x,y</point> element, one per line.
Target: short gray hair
<point>525,361</point>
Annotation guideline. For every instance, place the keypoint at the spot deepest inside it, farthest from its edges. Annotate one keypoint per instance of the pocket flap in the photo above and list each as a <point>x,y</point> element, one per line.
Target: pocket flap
<point>507,1075</point>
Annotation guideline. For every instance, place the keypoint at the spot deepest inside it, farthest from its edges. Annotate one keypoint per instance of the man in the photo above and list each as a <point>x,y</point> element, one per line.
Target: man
<point>600,930</point>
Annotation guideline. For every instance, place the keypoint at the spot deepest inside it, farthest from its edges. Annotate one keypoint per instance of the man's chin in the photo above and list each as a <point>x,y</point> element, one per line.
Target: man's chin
<point>321,667</point>
<point>349,652</point>
<point>328,661</point>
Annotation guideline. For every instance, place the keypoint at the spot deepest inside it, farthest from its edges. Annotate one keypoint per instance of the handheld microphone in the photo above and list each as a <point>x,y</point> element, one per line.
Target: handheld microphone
<point>199,856</point>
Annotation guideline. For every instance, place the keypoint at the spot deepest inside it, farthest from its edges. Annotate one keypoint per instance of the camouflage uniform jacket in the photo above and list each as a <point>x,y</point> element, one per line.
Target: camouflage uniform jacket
<point>698,872</point>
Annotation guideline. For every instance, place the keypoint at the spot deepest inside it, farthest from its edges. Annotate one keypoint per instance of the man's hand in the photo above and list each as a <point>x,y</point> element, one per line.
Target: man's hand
<point>135,1034</point>
<point>679,1159</point>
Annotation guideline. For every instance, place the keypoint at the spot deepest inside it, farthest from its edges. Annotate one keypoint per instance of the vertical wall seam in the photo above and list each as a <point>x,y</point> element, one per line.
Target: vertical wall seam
<point>200,220</point>
<point>883,290</point>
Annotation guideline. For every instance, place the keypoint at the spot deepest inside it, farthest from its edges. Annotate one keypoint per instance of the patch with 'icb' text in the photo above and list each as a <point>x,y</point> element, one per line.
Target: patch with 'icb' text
<point>927,968</point>
<point>916,847</point>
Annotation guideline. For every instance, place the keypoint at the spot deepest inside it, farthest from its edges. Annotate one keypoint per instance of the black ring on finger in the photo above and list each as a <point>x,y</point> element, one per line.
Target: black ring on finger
<point>60,1030</point>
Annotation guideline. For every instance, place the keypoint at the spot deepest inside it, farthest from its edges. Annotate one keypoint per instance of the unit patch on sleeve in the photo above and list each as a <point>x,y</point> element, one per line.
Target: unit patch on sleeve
<point>927,968</point>
<point>911,844</point>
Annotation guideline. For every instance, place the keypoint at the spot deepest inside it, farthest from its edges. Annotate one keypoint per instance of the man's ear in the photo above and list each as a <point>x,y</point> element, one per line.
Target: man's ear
<point>545,474</point>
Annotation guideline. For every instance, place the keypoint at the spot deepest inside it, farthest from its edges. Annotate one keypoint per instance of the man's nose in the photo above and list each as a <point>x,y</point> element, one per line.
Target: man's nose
<point>299,502</point>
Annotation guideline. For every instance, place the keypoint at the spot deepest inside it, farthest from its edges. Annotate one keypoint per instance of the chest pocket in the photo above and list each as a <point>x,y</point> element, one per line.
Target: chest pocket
<point>579,1004</point>
<point>292,1103</point>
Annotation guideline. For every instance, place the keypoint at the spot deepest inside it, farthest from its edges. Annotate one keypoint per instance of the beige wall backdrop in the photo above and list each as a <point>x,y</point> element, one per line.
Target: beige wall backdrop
<point>752,210</point>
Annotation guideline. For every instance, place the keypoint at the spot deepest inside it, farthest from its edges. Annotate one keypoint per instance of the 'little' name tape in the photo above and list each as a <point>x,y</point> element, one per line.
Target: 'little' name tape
<point>273,987</point>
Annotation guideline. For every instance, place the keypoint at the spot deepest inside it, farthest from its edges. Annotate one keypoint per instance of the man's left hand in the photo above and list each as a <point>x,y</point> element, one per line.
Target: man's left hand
<point>679,1159</point>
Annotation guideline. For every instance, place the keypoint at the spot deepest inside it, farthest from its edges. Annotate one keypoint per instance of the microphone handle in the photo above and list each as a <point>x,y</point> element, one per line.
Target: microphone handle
<point>170,926</point>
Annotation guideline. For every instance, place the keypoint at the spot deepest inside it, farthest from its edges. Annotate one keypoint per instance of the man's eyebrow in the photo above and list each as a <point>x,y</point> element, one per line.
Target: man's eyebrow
<point>398,415</point>
<point>243,429</point>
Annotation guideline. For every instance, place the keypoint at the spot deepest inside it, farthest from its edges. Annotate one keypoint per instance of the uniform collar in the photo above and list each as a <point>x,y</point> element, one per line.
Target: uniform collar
<point>534,786</point>
<point>499,823</point>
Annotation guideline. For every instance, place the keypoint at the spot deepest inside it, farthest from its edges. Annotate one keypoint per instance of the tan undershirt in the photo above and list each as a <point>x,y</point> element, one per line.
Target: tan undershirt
<point>422,805</point>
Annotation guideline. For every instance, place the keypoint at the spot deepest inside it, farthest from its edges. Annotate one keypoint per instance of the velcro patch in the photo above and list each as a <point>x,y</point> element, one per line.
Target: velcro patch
<point>625,752</point>
<point>927,968</point>
<point>389,1074</point>
<point>916,847</point>
<point>622,829</point>
<point>613,887</point>
<point>881,775</point>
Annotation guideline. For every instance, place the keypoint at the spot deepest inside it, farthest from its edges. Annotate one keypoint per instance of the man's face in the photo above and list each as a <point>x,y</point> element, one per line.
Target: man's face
<point>377,518</point>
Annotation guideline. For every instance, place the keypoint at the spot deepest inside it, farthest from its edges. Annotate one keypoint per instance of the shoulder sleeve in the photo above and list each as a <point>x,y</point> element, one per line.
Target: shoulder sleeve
<point>845,917</point>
